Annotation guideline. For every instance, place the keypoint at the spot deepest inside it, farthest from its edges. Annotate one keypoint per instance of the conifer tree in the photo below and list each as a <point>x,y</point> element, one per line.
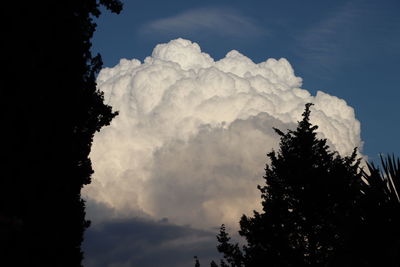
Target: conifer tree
<point>309,196</point>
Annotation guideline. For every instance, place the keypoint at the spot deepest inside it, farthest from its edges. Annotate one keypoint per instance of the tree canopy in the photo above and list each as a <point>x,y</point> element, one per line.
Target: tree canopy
<point>308,198</point>
<point>51,110</point>
<point>319,209</point>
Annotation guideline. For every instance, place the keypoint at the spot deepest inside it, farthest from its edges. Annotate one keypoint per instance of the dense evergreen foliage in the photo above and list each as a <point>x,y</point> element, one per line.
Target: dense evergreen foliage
<point>50,112</point>
<point>319,209</point>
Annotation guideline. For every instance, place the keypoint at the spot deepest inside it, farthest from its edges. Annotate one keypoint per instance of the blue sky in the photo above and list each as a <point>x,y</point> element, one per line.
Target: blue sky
<point>350,49</point>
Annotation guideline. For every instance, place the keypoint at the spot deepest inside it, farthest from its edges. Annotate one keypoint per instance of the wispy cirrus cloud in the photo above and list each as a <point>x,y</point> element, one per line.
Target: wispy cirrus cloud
<point>350,34</point>
<point>325,44</point>
<point>217,21</point>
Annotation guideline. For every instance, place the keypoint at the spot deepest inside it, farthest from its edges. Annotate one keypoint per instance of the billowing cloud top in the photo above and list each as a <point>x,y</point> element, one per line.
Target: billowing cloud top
<point>190,140</point>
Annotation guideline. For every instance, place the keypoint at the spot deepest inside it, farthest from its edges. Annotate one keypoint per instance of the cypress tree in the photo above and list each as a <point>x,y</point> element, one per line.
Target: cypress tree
<point>309,196</point>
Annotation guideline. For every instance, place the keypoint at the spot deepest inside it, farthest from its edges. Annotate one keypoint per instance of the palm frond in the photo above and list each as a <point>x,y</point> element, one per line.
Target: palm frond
<point>385,178</point>
<point>391,168</point>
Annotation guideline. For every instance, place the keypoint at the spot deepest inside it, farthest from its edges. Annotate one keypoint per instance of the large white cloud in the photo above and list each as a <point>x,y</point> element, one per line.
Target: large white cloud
<point>190,139</point>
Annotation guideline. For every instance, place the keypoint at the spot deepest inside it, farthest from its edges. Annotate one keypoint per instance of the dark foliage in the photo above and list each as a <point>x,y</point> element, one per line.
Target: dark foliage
<point>377,237</point>
<point>308,201</point>
<point>50,112</point>
<point>196,262</point>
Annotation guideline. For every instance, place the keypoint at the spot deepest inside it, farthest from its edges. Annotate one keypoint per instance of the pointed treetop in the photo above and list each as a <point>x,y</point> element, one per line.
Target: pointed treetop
<point>304,124</point>
<point>306,113</point>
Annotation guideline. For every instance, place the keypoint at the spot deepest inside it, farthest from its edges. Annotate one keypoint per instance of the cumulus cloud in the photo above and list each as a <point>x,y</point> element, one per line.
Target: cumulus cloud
<point>190,140</point>
<point>222,21</point>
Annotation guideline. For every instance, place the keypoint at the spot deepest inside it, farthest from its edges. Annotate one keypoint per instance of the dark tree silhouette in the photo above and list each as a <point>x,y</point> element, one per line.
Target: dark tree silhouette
<point>50,112</point>
<point>377,237</point>
<point>308,199</point>
<point>196,262</point>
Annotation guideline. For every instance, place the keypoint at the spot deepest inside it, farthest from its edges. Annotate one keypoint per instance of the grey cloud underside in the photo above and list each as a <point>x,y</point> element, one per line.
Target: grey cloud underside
<point>137,242</point>
<point>207,177</point>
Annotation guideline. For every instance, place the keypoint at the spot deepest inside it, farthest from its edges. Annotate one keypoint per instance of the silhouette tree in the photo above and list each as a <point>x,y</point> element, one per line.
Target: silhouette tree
<point>309,196</point>
<point>50,112</point>
<point>377,236</point>
<point>196,262</point>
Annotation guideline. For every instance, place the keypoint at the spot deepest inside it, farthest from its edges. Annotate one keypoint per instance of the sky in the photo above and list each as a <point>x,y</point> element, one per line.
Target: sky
<point>349,50</point>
